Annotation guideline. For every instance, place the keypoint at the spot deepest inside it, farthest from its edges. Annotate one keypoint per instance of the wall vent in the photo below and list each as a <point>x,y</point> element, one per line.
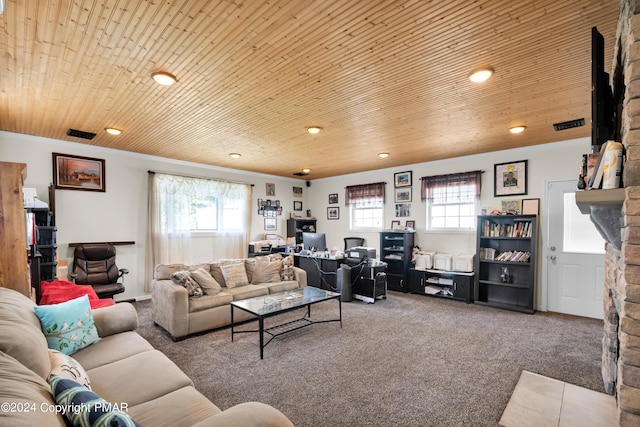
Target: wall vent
<point>80,134</point>
<point>569,125</point>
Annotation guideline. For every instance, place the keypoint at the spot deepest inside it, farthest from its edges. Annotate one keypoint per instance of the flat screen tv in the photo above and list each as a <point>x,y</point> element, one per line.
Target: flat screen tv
<point>314,241</point>
<point>602,109</point>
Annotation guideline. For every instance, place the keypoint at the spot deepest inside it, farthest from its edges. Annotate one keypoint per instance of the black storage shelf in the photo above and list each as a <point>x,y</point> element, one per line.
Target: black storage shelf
<point>395,250</point>
<point>513,235</point>
<point>461,287</point>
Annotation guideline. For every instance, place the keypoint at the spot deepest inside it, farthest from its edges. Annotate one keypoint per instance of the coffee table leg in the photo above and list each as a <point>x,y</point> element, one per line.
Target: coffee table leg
<point>232,324</point>
<point>340,308</point>
<point>261,331</point>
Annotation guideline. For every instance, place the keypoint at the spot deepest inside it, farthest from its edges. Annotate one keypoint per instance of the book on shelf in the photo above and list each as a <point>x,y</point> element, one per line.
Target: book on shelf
<point>514,256</point>
<point>518,229</point>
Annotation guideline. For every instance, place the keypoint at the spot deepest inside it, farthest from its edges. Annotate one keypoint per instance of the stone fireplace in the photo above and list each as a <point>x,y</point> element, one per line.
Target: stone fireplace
<point>621,341</point>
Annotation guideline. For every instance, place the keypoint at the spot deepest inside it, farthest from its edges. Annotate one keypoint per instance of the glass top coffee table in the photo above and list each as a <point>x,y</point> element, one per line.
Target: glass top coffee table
<point>281,302</point>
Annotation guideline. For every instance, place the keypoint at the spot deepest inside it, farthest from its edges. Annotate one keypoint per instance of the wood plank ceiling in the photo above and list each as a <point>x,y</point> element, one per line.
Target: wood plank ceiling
<point>376,75</point>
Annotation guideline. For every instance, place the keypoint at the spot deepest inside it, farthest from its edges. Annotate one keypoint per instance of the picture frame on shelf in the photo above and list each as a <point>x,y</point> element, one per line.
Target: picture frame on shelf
<point>510,179</point>
<point>530,206</point>
<point>395,225</point>
<point>333,213</point>
<point>510,206</point>
<point>270,223</point>
<point>402,195</point>
<point>297,205</point>
<point>402,179</point>
<point>78,173</point>
<point>333,198</point>
<point>410,224</point>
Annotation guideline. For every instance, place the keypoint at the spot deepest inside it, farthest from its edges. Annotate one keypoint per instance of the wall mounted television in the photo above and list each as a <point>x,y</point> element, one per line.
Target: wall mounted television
<point>602,105</point>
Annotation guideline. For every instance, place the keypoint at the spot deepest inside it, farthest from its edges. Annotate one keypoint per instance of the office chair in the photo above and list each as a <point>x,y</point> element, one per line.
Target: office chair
<point>95,265</point>
<point>350,242</point>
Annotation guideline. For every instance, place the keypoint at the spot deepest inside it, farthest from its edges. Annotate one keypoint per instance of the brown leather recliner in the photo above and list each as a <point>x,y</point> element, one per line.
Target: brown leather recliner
<point>95,265</point>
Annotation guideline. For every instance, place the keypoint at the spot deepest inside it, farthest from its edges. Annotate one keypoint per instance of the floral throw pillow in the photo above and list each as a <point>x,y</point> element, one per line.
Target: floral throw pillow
<point>68,326</point>
<point>183,278</point>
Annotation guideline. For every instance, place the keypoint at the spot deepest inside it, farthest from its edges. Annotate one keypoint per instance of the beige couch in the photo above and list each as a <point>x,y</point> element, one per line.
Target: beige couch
<point>180,314</point>
<point>123,369</point>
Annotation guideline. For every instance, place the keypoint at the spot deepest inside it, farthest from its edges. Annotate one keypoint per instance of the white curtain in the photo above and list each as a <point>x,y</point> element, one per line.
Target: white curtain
<point>169,210</point>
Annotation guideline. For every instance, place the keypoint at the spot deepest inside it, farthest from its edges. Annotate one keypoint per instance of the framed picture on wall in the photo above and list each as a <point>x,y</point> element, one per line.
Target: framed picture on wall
<point>333,213</point>
<point>270,224</point>
<point>333,198</point>
<point>402,195</point>
<point>297,205</point>
<point>510,179</point>
<point>78,173</point>
<point>402,179</point>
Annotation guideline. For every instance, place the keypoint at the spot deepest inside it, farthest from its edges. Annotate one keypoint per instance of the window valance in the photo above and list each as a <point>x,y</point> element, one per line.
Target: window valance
<point>370,193</point>
<point>461,187</point>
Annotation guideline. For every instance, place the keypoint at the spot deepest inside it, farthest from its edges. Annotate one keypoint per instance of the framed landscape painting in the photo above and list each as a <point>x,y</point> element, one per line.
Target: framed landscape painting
<point>78,173</point>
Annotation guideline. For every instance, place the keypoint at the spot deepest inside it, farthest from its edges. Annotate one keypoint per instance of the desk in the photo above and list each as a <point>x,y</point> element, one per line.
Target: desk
<point>368,281</point>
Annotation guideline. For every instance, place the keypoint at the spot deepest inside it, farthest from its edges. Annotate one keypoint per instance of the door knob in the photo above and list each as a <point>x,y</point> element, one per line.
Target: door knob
<point>552,257</point>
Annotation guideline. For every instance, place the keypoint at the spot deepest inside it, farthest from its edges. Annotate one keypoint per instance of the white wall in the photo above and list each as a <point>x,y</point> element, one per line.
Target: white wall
<point>120,213</point>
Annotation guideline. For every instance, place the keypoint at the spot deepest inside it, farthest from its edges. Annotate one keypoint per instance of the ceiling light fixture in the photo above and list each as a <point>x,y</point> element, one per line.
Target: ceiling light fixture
<point>306,170</point>
<point>314,130</point>
<point>481,75</point>
<point>113,131</point>
<point>164,78</point>
<point>517,129</point>
<point>383,155</point>
<point>235,155</point>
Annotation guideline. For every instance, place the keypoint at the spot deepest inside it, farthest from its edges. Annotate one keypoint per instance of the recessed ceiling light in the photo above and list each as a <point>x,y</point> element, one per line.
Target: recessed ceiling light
<point>481,75</point>
<point>517,129</point>
<point>235,155</point>
<point>164,78</point>
<point>113,131</point>
<point>383,155</point>
<point>306,170</point>
<point>314,130</point>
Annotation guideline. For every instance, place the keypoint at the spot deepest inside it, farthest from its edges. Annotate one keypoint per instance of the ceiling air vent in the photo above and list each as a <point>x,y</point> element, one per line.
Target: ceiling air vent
<point>569,125</point>
<point>300,174</point>
<point>80,134</point>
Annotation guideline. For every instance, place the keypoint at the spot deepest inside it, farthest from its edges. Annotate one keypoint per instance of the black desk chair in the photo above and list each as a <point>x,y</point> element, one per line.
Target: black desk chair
<point>95,265</point>
<point>350,242</point>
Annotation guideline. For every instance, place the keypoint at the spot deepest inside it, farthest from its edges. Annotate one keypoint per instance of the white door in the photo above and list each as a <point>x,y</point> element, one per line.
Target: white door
<point>574,255</point>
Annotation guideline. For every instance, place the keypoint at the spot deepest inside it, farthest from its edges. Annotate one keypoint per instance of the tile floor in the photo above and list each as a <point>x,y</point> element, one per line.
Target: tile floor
<point>539,401</point>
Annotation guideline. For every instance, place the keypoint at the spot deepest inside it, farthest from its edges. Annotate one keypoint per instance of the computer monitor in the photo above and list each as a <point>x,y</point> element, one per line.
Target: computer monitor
<point>311,241</point>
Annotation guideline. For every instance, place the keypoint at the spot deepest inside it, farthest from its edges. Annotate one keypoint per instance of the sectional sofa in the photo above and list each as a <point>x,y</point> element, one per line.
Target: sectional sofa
<point>181,309</point>
<point>123,369</point>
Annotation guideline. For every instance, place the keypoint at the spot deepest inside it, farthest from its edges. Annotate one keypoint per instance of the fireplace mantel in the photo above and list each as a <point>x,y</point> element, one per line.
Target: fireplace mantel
<point>605,210</point>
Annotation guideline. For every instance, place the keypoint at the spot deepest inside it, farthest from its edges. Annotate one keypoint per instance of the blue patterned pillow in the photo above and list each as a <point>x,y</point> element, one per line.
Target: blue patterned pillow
<point>68,326</point>
<point>85,408</point>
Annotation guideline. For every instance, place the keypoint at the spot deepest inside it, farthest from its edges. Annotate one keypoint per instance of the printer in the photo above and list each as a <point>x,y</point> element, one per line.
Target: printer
<point>361,253</point>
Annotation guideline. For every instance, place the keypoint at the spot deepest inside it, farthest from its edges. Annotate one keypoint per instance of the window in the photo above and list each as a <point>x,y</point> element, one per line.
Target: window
<point>366,206</point>
<point>451,200</point>
<point>204,214</point>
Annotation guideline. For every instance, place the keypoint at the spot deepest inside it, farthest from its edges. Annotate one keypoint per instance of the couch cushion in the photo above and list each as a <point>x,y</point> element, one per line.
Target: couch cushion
<point>235,275</point>
<point>20,305</point>
<point>206,281</point>
<point>209,301</point>
<point>92,410</point>
<point>216,269</point>
<point>285,285</point>
<point>155,375</point>
<point>24,342</point>
<point>247,291</point>
<point>184,406</point>
<point>111,349</point>
<point>266,271</point>
<point>68,326</point>
<point>66,366</point>
<point>20,385</point>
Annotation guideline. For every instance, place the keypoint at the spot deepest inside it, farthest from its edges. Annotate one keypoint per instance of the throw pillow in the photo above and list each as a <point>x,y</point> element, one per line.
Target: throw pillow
<point>68,326</point>
<point>287,272</point>
<point>266,272</point>
<point>66,366</point>
<point>86,408</point>
<point>183,278</point>
<point>235,275</point>
<point>206,282</point>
